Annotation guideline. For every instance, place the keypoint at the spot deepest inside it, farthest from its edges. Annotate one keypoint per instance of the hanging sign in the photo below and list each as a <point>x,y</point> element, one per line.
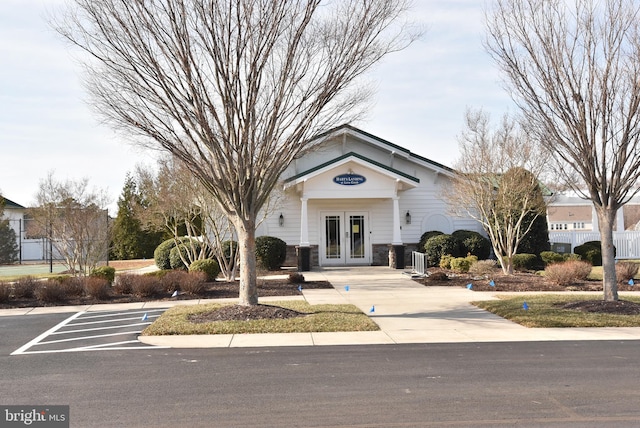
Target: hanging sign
<point>349,179</point>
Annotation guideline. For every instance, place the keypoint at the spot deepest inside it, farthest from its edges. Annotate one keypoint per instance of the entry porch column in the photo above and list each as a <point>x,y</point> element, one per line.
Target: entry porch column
<point>304,249</point>
<point>397,234</point>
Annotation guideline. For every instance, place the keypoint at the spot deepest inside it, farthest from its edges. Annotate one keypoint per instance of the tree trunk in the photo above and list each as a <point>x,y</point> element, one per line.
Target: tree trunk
<point>606,217</point>
<point>247,248</point>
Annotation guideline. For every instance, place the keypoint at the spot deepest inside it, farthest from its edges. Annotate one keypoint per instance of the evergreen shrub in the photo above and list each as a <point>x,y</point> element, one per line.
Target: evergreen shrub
<point>104,272</point>
<point>524,261</point>
<point>208,266</point>
<point>439,245</point>
<point>550,257</point>
<point>425,237</point>
<point>271,252</point>
<point>473,243</point>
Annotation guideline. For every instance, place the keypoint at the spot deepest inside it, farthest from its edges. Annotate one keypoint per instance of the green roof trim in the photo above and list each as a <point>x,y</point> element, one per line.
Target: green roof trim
<point>385,142</point>
<point>355,155</point>
<point>8,203</point>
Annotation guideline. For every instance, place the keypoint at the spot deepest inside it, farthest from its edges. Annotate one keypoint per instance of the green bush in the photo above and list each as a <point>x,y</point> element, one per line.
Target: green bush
<point>473,243</point>
<point>104,272</point>
<point>445,261</point>
<point>439,245</point>
<point>181,251</point>
<point>425,237</point>
<point>550,257</point>
<point>208,266</point>
<point>591,251</point>
<point>162,253</point>
<point>460,264</point>
<point>524,261</point>
<point>271,252</point>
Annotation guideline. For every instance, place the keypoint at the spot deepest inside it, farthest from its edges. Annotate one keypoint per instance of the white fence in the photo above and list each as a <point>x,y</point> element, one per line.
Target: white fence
<point>627,243</point>
<point>418,262</point>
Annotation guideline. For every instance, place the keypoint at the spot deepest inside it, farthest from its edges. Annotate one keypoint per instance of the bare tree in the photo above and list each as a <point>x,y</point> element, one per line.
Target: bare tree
<point>174,200</point>
<point>497,182</point>
<point>574,68</point>
<point>233,88</point>
<point>75,220</point>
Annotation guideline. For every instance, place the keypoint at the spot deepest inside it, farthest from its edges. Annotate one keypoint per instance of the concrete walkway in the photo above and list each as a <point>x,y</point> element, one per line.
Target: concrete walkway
<point>406,312</point>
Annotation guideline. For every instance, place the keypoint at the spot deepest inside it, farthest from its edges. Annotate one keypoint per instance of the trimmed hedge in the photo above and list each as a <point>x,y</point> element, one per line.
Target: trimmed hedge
<point>591,251</point>
<point>162,253</point>
<point>550,257</point>
<point>425,237</point>
<point>271,252</point>
<point>104,272</point>
<point>473,243</point>
<point>525,261</point>
<point>440,245</point>
<point>208,266</point>
<point>181,251</point>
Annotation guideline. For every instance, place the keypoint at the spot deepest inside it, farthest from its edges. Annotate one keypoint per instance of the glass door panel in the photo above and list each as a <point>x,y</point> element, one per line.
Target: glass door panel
<point>356,238</point>
<point>333,234</point>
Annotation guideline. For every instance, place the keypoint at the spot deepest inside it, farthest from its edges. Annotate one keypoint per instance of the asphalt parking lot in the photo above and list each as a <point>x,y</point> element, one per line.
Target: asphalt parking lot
<point>94,331</point>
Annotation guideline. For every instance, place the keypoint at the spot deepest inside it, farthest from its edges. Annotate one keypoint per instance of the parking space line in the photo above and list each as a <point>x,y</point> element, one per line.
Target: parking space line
<point>45,334</point>
<point>115,320</point>
<point>87,337</point>
<point>98,328</point>
<point>74,325</point>
<point>113,314</point>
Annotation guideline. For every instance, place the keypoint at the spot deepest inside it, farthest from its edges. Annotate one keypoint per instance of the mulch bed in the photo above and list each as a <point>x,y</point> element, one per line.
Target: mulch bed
<point>524,281</point>
<point>245,313</point>
<point>214,290</point>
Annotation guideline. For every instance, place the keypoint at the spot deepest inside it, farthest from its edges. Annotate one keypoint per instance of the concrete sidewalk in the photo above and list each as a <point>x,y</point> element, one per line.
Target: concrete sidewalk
<point>406,312</point>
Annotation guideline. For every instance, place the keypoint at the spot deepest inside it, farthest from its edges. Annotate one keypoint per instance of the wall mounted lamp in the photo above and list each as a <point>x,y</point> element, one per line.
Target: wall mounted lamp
<point>407,217</point>
<point>281,220</point>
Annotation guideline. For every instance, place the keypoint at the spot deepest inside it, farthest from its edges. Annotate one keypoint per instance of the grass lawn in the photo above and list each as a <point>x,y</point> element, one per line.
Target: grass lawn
<point>545,310</point>
<point>321,318</point>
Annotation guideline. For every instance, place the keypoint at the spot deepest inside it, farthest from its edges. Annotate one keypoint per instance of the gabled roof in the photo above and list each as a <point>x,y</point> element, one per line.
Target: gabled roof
<point>341,159</point>
<point>10,204</point>
<point>379,142</point>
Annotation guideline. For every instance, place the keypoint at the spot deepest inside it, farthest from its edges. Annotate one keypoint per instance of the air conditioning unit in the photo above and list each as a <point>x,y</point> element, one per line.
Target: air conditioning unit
<point>561,247</point>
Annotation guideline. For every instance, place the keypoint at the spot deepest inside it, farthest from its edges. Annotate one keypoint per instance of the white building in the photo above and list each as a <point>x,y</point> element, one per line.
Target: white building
<point>356,199</point>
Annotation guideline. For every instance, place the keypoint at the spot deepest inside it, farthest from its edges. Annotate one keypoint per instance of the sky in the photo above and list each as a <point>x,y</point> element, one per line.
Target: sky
<point>46,124</point>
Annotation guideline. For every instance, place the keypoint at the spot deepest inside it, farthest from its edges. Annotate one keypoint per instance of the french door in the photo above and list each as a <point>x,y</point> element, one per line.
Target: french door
<point>345,238</point>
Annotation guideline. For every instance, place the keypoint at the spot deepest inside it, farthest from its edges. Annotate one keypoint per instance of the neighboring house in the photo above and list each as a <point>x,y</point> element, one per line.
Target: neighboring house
<point>356,199</point>
<point>573,221</point>
<point>570,212</point>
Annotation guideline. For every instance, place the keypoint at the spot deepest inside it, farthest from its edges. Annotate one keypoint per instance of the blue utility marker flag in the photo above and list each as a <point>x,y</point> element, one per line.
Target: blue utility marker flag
<point>175,294</point>
<point>631,282</point>
<point>492,283</point>
<point>145,317</point>
<point>469,286</point>
<point>372,310</point>
<point>299,287</point>
<point>525,306</point>
<point>346,288</point>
